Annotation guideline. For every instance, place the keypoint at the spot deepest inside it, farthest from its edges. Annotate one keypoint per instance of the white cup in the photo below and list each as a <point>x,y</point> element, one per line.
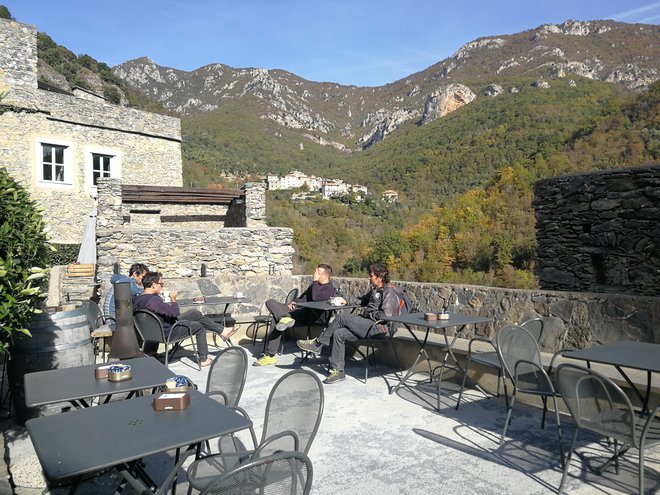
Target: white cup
<point>166,296</point>
<point>239,295</point>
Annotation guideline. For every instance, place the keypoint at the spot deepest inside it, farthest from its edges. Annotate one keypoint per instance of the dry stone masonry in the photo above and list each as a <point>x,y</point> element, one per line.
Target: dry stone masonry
<point>600,231</point>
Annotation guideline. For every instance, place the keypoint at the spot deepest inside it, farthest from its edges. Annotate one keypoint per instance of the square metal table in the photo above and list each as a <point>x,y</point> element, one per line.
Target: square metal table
<point>93,439</point>
<point>409,320</point>
<point>206,303</point>
<point>631,354</point>
<point>323,312</point>
<point>75,385</point>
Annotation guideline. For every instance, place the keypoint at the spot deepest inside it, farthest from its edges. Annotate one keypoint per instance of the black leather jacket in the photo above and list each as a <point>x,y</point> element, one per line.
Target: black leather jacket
<point>379,302</point>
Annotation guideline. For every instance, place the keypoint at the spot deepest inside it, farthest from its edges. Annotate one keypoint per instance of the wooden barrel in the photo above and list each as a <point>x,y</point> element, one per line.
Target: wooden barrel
<point>59,340</point>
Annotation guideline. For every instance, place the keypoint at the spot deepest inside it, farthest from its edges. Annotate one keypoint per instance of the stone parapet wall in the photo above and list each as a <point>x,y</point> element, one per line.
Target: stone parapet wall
<point>573,320</point>
<point>600,231</point>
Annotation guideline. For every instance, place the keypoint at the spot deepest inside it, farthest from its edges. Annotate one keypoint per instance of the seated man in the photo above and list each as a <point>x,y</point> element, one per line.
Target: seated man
<point>382,300</point>
<point>321,289</point>
<point>169,314</point>
<point>135,274</point>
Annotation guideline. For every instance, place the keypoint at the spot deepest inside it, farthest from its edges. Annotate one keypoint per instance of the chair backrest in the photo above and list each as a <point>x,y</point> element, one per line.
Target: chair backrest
<point>94,314</point>
<point>293,293</point>
<point>535,328</point>
<point>514,344</point>
<point>148,325</point>
<point>295,404</point>
<point>596,403</point>
<point>284,473</point>
<point>227,374</point>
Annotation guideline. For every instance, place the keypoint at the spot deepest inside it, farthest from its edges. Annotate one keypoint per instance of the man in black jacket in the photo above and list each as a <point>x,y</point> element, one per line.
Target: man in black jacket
<point>382,300</point>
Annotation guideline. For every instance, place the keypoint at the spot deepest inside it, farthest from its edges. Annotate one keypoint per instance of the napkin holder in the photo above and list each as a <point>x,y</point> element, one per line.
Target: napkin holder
<point>101,373</point>
<point>430,316</point>
<point>172,401</point>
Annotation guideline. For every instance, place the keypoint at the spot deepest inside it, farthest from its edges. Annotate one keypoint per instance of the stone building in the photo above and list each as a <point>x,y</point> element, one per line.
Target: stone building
<point>59,143</point>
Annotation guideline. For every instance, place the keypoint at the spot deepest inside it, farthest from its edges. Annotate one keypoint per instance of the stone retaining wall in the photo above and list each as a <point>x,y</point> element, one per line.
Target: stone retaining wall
<point>600,231</point>
<point>573,319</point>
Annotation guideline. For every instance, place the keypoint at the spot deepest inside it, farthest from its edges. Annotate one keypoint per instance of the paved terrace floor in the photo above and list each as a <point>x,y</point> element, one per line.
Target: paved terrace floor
<point>370,442</point>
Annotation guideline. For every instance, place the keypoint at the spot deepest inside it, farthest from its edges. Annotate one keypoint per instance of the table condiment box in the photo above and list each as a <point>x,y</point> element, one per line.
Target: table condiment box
<point>101,373</point>
<point>430,316</point>
<point>172,401</point>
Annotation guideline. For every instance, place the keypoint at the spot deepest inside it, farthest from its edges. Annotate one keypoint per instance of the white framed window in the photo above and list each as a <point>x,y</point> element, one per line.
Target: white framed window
<point>100,162</point>
<point>100,166</point>
<point>54,162</point>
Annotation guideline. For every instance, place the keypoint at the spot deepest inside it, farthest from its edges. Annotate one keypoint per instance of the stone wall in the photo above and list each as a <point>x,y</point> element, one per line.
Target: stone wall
<point>573,320</point>
<point>231,254</point>
<point>600,231</point>
<point>146,146</point>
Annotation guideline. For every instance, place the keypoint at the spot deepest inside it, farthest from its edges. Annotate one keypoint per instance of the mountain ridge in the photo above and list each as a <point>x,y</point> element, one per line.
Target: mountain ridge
<point>354,118</point>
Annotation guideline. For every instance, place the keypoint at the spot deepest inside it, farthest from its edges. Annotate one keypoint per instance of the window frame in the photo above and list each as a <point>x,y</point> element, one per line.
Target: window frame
<point>67,163</point>
<point>115,165</point>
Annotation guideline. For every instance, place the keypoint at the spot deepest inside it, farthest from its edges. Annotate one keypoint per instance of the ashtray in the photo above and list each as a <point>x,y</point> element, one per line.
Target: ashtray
<point>335,301</point>
<point>199,300</point>
<point>443,316</point>
<point>101,372</point>
<point>430,316</point>
<point>176,384</point>
<point>119,372</point>
<point>172,401</point>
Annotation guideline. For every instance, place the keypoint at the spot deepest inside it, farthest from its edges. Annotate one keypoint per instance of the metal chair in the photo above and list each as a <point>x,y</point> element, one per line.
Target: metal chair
<point>98,325</point>
<point>280,474</point>
<point>490,359</point>
<point>150,329</point>
<point>521,360</point>
<point>293,414</point>
<point>597,404</point>
<point>227,374</point>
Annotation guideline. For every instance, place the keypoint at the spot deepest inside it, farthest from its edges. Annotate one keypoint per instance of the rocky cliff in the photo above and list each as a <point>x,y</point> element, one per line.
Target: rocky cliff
<point>350,117</point>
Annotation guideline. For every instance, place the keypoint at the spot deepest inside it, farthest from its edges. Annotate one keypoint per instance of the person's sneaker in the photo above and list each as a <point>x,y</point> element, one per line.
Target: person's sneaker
<point>265,360</point>
<point>310,346</point>
<point>334,377</point>
<point>285,323</point>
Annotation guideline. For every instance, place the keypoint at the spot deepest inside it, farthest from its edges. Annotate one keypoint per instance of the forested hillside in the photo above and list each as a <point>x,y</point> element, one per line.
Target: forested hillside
<point>469,180</point>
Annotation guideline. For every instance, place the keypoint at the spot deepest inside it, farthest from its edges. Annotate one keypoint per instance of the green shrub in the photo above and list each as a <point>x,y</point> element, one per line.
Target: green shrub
<point>63,254</point>
<point>23,251</point>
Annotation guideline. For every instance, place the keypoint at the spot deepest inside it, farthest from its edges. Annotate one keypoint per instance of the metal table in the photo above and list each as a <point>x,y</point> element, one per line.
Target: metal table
<point>410,320</point>
<point>323,312</point>
<point>75,385</point>
<point>207,302</point>
<point>93,439</point>
<point>625,354</point>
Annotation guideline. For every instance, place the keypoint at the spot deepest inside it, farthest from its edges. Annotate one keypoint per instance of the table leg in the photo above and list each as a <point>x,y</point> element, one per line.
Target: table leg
<point>422,351</point>
<point>643,399</point>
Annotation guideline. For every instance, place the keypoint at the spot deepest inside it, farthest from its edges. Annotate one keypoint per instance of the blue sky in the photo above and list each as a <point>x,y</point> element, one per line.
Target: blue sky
<point>361,42</point>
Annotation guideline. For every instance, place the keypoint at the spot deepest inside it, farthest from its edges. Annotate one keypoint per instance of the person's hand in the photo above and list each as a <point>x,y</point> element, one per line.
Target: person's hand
<point>291,306</point>
<point>316,275</point>
<point>173,295</point>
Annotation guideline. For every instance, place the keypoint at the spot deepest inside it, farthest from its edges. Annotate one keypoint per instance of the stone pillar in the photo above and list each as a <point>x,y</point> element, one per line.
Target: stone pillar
<point>255,204</point>
<point>109,221</point>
